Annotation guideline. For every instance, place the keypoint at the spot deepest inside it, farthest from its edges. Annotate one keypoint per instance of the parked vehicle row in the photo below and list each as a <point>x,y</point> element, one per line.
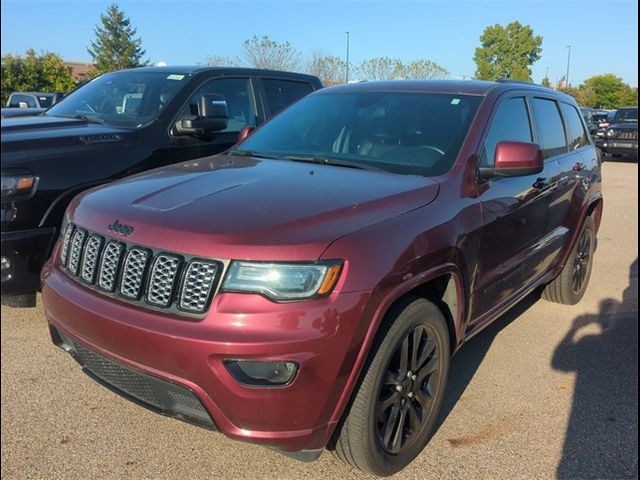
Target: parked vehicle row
<point>306,288</point>
<point>117,125</point>
<point>22,104</point>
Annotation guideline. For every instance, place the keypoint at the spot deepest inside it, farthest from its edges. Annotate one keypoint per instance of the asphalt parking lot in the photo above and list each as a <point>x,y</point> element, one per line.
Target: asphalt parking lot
<point>547,391</point>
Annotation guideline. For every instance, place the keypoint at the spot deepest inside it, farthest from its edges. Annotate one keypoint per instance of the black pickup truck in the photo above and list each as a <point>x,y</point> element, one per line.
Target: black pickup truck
<point>621,136</point>
<point>119,124</point>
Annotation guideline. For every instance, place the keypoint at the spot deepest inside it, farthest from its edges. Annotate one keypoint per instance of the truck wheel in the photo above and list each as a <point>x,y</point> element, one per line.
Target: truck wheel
<point>397,401</point>
<point>568,288</point>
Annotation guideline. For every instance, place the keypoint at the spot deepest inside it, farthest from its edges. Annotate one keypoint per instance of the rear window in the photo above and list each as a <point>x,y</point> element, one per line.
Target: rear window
<point>281,93</point>
<point>550,127</point>
<point>575,129</point>
<point>22,101</point>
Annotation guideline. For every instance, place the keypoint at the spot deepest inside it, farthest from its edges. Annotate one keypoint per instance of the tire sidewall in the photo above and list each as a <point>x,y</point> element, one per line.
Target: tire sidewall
<point>428,313</point>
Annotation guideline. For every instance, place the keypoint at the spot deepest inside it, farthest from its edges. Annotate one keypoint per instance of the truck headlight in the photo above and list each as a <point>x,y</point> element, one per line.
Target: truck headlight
<point>283,281</point>
<point>611,133</point>
<point>18,187</point>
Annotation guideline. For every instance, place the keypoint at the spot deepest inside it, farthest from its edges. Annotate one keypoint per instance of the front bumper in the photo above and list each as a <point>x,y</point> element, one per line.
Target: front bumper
<point>25,251</point>
<point>619,147</point>
<point>322,336</point>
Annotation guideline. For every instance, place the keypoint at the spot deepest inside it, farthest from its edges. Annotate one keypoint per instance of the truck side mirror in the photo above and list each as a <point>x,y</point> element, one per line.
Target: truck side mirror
<point>212,117</point>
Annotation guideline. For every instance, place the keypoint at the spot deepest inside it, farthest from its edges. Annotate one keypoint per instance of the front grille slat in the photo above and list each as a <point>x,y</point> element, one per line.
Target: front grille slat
<point>90,258</point>
<point>109,266</point>
<point>133,272</point>
<point>75,253</point>
<point>140,275</point>
<point>162,281</point>
<point>197,286</point>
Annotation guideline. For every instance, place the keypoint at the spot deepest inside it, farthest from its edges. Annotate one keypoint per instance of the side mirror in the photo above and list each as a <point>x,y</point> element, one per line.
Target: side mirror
<point>212,117</point>
<point>245,132</point>
<point>515,159</point>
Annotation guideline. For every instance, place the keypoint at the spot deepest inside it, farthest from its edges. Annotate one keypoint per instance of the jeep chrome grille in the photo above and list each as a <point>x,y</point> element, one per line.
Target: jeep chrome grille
<point>163,279</point>
<point>197,286</point>
<point>90,258</point>
<point>77,242</point>
<point>157,280</point>
<point>109,266</point>
<point>133,272</point>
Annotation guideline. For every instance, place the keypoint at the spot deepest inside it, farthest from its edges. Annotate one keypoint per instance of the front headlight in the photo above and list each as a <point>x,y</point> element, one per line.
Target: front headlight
<point>283,281</point>
<point>611,133</point>
<point>18,187</point>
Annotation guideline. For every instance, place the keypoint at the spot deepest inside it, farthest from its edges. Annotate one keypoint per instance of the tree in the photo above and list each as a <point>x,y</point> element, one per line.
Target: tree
<point>262,52</point>
<point>329,69</point>
<point>610,91</point>
<point>380,68</point>
<point>116,46</point>
<point>546,82</point>
<point>507,52</point>
<point>46,72</point>
<point>222,61</point>
<point>422,70</point>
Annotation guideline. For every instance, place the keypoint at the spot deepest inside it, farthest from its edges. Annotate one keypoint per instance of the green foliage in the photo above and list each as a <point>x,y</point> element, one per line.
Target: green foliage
<point>330,69</point>
<point>262,52</point>
<point>507,52</point>
<point>46,72</point>
<point>115,46</point>
<point>610,91</point>
<point>546,82</point>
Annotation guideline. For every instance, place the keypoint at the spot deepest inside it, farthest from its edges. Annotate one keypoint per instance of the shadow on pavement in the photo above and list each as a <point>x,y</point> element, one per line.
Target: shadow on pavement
<point>602,435</point>
<point>467,360</point>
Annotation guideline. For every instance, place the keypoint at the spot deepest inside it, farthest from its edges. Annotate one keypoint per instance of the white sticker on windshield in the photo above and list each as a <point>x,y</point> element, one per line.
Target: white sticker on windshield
<point>455,101</point>
<point>175,76</point>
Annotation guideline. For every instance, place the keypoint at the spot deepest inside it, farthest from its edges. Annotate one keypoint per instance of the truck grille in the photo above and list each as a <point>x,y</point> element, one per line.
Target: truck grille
<point>628,135</point>
<point>140,275</point>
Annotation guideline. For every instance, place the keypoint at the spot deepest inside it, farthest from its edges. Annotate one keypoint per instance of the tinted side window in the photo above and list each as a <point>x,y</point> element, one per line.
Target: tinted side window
<point>281,93</point>
<point>240,102</point>
<point>511,122</point>
<point>575,129</point>
<point>550,127</point>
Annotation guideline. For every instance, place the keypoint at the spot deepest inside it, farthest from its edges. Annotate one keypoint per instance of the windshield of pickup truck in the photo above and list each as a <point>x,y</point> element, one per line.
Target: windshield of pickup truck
<point>127,98</point>
<point>626,115</point>
<point>398,132</point>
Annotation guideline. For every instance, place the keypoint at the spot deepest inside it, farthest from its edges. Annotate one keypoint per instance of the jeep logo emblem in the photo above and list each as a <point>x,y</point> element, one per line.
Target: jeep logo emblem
<point>121,228</point>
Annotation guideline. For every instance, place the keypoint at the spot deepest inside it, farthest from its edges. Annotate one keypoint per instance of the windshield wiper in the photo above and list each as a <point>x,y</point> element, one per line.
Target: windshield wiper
<point>320,160</point>
<point>80,116</point>
<point>252,153</point>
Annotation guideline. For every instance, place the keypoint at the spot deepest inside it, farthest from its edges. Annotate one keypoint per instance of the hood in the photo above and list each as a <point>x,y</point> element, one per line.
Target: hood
<point>624,126</point>
<point>37,136</point>
<point>240,207</point>
<point>21,112</point>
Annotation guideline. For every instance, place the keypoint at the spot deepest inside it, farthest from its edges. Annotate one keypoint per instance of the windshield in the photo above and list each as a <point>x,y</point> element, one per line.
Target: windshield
<point>626,115</point>
<point>409,133</point>
<point>127,98</point>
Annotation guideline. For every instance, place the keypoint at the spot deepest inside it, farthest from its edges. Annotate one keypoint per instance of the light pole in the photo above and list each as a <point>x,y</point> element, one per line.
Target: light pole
<point>347,75</point>
<point>566,79</point>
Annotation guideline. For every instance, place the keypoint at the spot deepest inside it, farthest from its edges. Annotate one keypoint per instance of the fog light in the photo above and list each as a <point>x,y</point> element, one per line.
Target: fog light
<point>261,374</point>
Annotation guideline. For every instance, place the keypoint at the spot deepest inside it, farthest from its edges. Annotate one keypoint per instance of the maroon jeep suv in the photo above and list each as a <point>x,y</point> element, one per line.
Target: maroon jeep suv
<point>307,288</point>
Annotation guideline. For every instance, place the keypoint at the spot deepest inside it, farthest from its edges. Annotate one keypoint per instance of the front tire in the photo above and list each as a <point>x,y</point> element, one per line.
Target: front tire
<point>569,287</point>
<point>400,393</point>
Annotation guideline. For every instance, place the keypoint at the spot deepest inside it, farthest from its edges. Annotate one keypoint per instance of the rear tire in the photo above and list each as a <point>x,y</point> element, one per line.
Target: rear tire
<point>399,396</point>
<point>568,288</point>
